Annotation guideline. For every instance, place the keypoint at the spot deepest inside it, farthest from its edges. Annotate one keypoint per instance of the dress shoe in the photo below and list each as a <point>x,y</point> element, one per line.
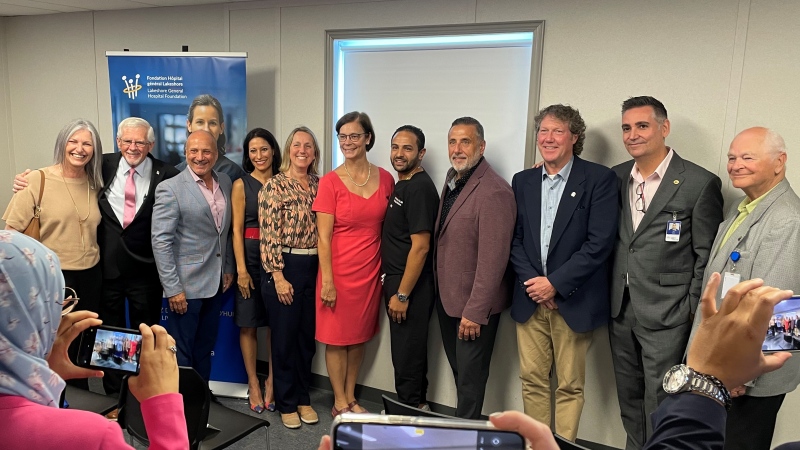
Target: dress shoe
<point>291,420</point>
<point>113,415</point>
<point>307,414</point>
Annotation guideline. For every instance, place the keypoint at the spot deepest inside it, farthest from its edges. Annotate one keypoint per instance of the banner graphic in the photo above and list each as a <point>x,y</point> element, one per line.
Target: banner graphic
<point>159,87</point>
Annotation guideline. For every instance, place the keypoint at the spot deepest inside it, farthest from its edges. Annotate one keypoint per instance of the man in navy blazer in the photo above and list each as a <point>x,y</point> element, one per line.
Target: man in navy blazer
<point>567,213</point>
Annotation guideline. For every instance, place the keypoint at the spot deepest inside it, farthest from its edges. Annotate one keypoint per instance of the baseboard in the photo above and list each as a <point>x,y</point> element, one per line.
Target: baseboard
<point>373,395</point>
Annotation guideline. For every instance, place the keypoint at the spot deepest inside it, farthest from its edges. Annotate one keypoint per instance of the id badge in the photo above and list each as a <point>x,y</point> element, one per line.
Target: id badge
<point>729,280</point>
<point>673,231</point>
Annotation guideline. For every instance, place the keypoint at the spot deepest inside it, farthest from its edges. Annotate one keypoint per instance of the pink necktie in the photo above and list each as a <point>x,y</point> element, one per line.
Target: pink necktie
<point>130,200</point>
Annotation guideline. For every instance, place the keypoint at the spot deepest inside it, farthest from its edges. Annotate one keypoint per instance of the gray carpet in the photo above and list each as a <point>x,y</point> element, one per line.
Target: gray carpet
<point>282,438</point>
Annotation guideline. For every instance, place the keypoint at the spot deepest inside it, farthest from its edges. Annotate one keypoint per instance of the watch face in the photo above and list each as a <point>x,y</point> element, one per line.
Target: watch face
<point>675,379</point>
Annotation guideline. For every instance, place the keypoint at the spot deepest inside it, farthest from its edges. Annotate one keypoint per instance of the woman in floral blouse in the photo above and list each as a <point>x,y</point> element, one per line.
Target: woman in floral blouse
<point>289,261</point>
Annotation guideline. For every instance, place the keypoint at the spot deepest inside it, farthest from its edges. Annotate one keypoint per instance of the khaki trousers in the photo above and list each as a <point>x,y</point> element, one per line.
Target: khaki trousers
<point>544,336</point>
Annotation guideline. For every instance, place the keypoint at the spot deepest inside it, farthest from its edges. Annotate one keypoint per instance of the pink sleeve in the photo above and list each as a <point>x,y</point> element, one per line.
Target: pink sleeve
<point>165,422</point>
<point>326,195</point>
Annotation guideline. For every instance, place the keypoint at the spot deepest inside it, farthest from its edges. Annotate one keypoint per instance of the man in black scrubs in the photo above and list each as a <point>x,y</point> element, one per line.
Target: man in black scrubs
<point>408,286</point>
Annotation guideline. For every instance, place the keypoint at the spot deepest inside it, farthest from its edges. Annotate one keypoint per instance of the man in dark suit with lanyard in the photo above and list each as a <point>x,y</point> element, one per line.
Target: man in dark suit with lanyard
<point>657,275</point>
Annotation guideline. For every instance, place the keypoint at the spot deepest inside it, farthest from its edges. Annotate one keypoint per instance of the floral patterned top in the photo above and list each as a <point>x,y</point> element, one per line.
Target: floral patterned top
<point>285,218</point>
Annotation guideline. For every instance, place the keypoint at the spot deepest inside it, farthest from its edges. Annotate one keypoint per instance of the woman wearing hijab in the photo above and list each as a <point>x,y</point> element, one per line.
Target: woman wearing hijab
<point>33,363</point>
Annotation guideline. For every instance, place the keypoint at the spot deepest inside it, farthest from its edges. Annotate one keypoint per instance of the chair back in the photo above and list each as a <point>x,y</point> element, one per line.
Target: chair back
<point>566,444</point>
<point>196,401</point>
<point>196,404</point>
<point>393,407</point>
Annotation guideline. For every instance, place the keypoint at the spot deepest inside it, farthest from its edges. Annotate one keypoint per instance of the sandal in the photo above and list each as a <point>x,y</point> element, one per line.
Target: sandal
<point>335,412</point>
<point>353,404</point>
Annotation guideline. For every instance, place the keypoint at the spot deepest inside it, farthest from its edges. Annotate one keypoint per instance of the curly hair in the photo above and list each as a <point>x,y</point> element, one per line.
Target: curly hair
<point>570,116</point>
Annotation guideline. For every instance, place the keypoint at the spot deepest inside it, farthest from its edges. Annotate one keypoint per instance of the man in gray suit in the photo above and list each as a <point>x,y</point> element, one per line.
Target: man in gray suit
<point>193,250</point>
<point>760,238</point>
<point>656,277</point>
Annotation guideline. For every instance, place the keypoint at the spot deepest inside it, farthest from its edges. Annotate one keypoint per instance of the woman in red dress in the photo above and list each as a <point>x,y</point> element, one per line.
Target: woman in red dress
<point>351,204</point>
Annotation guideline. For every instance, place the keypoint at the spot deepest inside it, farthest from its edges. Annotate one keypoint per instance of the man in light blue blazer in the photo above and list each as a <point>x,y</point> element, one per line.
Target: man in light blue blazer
<point>193,250</point>
<point>760,238</point>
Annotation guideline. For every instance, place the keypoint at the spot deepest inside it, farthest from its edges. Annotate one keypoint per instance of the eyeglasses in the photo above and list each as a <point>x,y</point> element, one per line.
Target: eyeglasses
<point>640,206</point>
<point>69,302</point>
<point>138,144</point>
<point>353,137</point>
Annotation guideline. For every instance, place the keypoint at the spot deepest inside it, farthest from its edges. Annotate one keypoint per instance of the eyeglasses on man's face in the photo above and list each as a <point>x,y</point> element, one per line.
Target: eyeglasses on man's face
<point>127,143</point>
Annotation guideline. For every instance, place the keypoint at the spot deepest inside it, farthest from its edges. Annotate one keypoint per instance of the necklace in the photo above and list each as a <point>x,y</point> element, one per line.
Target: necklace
<point>88,207</point>
<point>354,181</point>
<point>413,172</point>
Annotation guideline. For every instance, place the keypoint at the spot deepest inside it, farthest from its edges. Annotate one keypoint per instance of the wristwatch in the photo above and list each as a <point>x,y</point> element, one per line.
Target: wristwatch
<point>682,378</point>
<point>402,297</point>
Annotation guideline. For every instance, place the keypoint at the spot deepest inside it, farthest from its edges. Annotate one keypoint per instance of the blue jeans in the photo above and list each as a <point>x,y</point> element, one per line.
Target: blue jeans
<point>195,332</point>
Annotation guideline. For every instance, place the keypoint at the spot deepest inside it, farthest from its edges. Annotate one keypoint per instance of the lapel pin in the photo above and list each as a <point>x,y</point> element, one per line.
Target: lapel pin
<point>158,173</point>
<point>675,182</point>
<point>572,195</point>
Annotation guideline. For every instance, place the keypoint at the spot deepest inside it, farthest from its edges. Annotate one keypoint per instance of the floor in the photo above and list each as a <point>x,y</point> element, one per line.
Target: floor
<point>282,438</point>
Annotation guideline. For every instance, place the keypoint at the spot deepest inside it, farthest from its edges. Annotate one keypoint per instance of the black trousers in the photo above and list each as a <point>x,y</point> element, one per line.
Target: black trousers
<point>469,361</point>
<point>751,422</point>
<point>88,285</point>
<point>293,327</point>
<point>144,294</point>
<point>410,339</point>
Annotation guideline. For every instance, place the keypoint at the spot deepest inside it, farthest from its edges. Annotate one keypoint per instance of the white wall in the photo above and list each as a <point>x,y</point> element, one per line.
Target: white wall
<point>6,156</point>
<point>718,65</point>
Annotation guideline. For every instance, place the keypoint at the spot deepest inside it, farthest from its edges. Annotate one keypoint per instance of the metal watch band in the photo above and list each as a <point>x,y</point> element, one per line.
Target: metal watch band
<point>711,386</point>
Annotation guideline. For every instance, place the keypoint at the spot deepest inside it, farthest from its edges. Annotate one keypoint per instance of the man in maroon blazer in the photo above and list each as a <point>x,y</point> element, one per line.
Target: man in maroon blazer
<point>474,229</point>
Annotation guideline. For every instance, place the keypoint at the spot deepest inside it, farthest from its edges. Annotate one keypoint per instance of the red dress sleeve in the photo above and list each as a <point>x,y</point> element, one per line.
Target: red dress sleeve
<point>326,195</point>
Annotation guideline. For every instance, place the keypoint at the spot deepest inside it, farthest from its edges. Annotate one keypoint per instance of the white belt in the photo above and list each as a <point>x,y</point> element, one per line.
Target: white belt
<point>299,251</point>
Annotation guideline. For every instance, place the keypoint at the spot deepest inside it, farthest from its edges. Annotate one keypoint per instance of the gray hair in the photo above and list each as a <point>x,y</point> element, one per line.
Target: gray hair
<point>774,143</point>
<point>285,160</point>
<point>470,121</point>
<point>94,168</point>
<point>137,122</point>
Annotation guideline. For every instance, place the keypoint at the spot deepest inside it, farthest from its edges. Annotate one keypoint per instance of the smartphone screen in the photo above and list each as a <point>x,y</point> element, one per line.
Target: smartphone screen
<point>110,348</point>
<point>783,333</point>
<point>358,436</point>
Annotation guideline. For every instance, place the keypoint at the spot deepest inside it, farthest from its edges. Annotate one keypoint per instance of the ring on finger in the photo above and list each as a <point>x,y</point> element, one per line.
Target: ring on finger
<point>173,349</point>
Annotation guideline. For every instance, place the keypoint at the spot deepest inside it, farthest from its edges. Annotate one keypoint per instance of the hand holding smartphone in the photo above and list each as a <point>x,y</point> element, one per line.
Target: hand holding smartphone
<point>379,432</point>
<point>110,349</point>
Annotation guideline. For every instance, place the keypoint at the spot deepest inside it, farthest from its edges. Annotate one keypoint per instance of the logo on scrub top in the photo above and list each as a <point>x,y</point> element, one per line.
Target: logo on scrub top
<point>132,86</point>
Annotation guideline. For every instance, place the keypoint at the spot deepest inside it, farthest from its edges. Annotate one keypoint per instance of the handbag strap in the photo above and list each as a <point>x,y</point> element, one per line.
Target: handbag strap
<point>38,206</point>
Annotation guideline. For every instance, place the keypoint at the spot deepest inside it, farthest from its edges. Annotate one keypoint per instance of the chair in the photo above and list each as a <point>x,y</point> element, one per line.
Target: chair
<point>565,444</point>
<point>209,425</point>
<point>89,401</point>
<point>394,407</point>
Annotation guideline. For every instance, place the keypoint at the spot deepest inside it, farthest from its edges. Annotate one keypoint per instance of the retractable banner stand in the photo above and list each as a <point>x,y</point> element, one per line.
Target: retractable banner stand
<point>159,87</point>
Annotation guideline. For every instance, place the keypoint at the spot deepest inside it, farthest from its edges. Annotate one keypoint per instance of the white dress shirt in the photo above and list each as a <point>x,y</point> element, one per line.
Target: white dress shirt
<point>116,192</point>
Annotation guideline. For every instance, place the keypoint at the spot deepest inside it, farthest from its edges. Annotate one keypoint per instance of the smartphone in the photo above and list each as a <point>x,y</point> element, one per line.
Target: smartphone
<point>379,432</point>
<point>783,334</point>
<point>110,349</point>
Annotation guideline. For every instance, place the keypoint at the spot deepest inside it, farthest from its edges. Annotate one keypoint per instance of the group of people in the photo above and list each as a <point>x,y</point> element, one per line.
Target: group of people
<point>631,247</point>
<point>571,245</point>
<point>784,324</point>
